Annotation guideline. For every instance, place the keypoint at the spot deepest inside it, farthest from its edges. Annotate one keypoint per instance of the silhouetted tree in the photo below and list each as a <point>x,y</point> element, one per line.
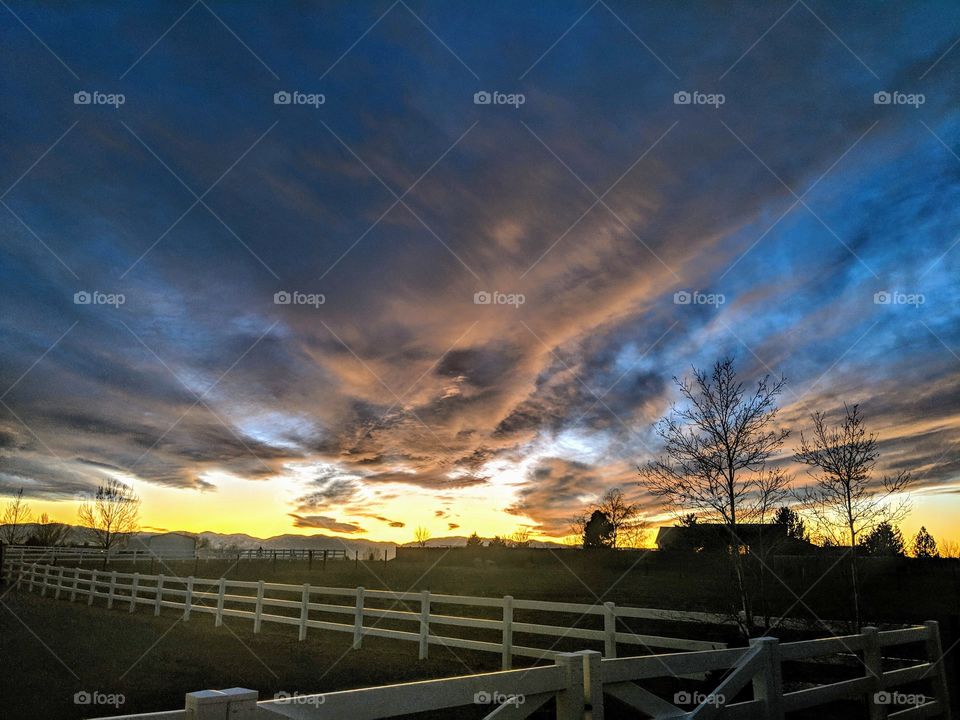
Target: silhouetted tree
<point>474,541</point>
<point>844,501</point>
<point>688,520</point>
<point>113,513</point>
<point>884,540</point>
<point>717,444</point>
<point>924,546</point>
<point>598,532</point>
<point>794,524</point>
<point>16,514</point>
<point>48,533</point>
<point>520,538</point>
<point>497,542</point>
<point>421,535</point>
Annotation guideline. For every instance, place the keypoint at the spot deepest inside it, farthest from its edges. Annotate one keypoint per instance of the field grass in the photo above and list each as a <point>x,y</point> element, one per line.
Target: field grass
<point>53,649</point>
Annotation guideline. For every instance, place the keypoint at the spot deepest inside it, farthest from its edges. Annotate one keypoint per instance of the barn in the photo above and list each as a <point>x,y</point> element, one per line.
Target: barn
<point>167,545</point>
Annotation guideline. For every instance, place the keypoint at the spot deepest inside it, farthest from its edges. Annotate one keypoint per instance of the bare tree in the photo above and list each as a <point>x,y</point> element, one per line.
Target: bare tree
<point>716,447</point>
<point>629,525</point>
<point>520,537</point>
<point>421,535</point>
<point>49,533</point>
<point>113,513</point>
<point>16,514</point>
<point>845,502</point>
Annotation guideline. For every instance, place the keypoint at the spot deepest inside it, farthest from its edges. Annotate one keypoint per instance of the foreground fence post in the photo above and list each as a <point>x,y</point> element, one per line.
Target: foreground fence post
<point>33,575</point>
<point>43,584</point>
<point>112,588</point>
<point>73,585</point>
<point>92,587</point>
<point>506,656</point>
<point>158,598</point>
<point>221,591</point>
<point>134,585</point>
<point>258,612</point>
<point>424,624</point>
<point>593,683</point>
<point>570,702</point>
<point>188,599</point>
<point>935,656</point>
<point>304,612</point>
<point>235,703</point>
<point>768,682</point>
<point>609,630</point>
<point>358,621</point>
<point>873,660</point>
<point>56,595</point>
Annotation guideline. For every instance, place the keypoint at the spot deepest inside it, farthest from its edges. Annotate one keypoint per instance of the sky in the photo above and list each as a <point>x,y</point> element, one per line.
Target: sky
<point>389,303</point>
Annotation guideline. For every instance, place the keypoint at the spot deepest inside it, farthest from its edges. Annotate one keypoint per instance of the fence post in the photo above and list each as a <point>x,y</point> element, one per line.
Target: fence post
<point>935,657</point>
<point>92,587</point>
<point>872,660</point>
<point>220,593</point>
<point>609,630</point>
<point>33,575</point>
<point>593,683</point>
<point>158,599</point>
<point>424,624</point>
<point>56,595</point>
<point>570,700</point>
<point>20,574</point>
<point>506,656</point>
<point>188,599</point>
<point>73,585</point>
<point>304,612</point>
<point>134,585</point>
<point>258,612</point>
<point>358,621</point>
<point>235,703</point>
<point>43,584</point>
<point>112,589</point>
<point>768,682</point>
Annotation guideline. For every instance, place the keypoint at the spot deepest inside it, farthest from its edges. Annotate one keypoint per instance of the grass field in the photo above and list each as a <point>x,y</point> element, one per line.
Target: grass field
<point>53,649</point>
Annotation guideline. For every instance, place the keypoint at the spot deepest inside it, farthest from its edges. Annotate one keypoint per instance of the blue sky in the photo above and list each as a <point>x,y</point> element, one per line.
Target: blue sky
<point>795,200</point>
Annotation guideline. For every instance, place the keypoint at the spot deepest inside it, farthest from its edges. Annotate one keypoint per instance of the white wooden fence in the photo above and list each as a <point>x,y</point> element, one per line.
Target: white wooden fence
<point>53,553</point>
<point>300,606</point>
<point>579,681</point>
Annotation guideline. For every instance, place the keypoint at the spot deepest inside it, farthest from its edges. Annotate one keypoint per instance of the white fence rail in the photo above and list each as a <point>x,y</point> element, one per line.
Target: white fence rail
<point>53,553</point>
<point>303,606</point>
<point>290,554</point>
<point>579,681</point>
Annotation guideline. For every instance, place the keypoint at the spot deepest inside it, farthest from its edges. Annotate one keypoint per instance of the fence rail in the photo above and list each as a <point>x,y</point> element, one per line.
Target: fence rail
<point>346,609</point>
<point>53,553</point>
<point>580,681</point>
<point>290,554</point>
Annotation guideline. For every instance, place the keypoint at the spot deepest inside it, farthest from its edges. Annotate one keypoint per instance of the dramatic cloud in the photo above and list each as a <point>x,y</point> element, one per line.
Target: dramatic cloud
<point>509,331</point>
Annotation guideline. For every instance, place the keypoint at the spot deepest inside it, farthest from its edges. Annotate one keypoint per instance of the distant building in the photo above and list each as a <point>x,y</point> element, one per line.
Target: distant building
<point>707,537</point>
<point>166,545</point>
